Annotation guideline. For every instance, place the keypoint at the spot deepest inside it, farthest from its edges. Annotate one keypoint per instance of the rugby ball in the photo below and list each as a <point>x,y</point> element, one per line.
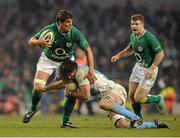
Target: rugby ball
<point>48,34</point>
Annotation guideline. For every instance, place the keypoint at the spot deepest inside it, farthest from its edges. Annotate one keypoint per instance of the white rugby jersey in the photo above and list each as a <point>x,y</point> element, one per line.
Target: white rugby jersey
<point>102,84</point>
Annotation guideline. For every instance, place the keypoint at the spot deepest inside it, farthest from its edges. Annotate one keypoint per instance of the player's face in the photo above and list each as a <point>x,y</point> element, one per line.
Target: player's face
<point>66,26</point>
<point>137,27</point>
<point>71,75</point>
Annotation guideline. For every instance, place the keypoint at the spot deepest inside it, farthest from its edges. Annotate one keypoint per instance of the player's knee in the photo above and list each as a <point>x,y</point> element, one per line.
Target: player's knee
<point>38,88</point>
<point>105,104</point>
<point>139,99</point>
<point>119,121</point>
<point>121,124</point>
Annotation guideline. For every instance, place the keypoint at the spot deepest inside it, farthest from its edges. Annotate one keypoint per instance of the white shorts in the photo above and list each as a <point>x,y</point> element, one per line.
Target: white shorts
<point>46,65</point>
<point>118,90</point>
<point>121,92</point>
<point>138,75</point>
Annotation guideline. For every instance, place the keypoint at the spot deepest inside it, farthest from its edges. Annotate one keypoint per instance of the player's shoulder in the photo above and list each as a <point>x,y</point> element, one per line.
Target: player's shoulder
<point>75,30</point>
<point>81,71</point>
<point>50,26</point>
<point>132,36</point>
<point>149,34</point>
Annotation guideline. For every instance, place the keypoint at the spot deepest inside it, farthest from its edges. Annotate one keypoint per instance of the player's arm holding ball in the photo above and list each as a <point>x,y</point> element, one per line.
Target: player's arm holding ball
<point>43,39</point>
<point>83,89</point>
<point>41,42</point>
<point>83,92</point>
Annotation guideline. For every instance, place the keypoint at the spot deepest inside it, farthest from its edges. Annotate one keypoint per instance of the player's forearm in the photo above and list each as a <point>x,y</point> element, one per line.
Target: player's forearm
<point>126,52</point>
<point>157,60</point>
<point>80,95</point>
<point>90,59</point>
<point>33,42</point>
<point>54,86</point>
<point>83,92</point>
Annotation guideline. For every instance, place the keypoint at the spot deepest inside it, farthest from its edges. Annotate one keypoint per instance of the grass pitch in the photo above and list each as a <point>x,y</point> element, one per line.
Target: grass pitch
<point>95,126</point>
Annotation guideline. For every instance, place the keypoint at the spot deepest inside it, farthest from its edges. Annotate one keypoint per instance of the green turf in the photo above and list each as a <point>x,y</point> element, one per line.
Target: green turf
<point>97,126</point>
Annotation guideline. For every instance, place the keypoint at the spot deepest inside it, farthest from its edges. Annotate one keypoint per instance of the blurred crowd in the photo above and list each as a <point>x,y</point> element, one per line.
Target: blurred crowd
<point>107,30</point>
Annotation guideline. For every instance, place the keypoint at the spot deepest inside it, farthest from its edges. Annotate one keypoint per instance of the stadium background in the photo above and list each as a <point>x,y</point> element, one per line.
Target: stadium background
<point>105,24</point>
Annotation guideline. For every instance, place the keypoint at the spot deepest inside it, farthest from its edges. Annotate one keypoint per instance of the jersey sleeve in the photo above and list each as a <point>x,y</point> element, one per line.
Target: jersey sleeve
<point>154,43</point>
<point>130,41</point>
<point>37,35</point>
<point>80,39</point>
<point>80,77</point>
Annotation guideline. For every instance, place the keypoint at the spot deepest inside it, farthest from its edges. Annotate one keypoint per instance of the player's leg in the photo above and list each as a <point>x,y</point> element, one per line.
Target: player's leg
<point>142,96</point>
<point>156,123</point>
<point>114,102</point>
<point>133,84</point>
<point>118,121</point>
<point>45,68</point>
<point>136,106</point>
<point>68,109</point>
<point>39,82</point>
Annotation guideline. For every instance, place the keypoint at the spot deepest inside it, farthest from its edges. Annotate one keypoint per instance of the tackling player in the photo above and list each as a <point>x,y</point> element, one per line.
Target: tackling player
<point>149,54</point>
<point>112,95</point>
<point>58,46</point>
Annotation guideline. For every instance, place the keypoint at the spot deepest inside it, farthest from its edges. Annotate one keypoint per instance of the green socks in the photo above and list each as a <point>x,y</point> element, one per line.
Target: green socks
<point>36,97</point>
<point>68,108</point>
<point>150,99</point>
<point>153,99</point>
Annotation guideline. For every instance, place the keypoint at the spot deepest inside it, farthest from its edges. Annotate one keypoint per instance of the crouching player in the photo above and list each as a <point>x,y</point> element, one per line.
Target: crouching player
<point>113,96</point>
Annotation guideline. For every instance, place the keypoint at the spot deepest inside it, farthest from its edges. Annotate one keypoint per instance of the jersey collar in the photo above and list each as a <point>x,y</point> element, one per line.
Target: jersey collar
<point>141,34</point>
<point>63,34</point>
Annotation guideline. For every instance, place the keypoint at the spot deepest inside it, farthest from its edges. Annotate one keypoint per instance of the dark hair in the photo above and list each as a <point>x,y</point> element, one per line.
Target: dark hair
<point>63,15</point>
<point>66,67</point>
<point>137,17</point>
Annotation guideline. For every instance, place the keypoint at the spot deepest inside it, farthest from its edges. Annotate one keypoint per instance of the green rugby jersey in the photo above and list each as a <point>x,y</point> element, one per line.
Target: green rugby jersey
<point>145,48</point>
<point>62,46</point>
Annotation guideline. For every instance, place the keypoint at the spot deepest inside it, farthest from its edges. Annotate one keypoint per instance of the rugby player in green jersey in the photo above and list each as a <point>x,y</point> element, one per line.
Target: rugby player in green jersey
<point>58,46</point>
<point>149,54</point>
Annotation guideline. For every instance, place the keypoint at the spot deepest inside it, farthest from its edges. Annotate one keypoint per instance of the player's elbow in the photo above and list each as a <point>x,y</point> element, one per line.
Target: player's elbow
<point>162,54</point>
<point>31,42</point>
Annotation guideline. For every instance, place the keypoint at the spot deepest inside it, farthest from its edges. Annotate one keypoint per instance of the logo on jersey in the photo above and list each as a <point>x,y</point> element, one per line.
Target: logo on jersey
<point>68,44</point>
<point>140,49</point>
<point>60,51</point>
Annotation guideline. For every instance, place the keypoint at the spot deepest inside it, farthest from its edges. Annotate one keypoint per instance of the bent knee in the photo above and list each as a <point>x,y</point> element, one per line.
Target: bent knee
<point>38,88</point>
<point>139,99</point>
<point>105,104</point>
<point>122,123</point>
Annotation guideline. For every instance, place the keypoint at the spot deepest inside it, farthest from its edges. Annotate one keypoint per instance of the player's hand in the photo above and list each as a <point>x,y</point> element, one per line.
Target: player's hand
<point>149,74</point>
<point>90,75</point>
<point>44,43</point>
<point>114,58</point>
<point>68,93</point>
